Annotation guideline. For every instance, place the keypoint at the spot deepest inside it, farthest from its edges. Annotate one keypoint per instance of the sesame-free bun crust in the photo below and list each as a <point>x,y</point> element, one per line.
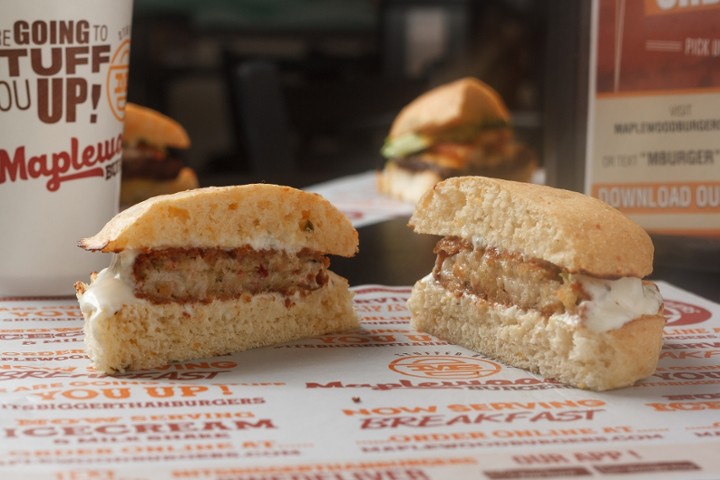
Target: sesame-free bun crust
<point>556,349</point>
<point>462,102</point>
<point>144,335</point>
<point>405,185</point>
<point>263,216</point>
<point>151,126</point>
<point>410,185</point>
<point>574,231</point>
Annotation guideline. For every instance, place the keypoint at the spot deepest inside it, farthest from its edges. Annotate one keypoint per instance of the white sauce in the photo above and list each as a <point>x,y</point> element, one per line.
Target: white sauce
<point>112,288</point>
<point>614,303</point>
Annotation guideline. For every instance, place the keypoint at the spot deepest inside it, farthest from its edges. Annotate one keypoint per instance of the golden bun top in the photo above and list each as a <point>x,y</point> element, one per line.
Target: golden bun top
<point>574,231</point>
<point>152,127</point>
<point>461,102</point>
<point>263,216</point>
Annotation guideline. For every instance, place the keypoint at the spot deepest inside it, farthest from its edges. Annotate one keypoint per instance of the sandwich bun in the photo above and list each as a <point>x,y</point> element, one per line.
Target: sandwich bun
<point>141,335</point>
<point>539,278</point>
<point>462,102</point>
<point>155,128</point>
<point>526,339</point>
<point>199,306</point>
<point>261,215</point>
<point>574,231</point>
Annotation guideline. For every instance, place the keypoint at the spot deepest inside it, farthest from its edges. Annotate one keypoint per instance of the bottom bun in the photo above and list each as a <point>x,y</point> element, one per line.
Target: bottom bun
<point>143,335</point>
<point>553,348</point>
<point>136,189</point>
<point>403,184</point>
<point>409,185</point>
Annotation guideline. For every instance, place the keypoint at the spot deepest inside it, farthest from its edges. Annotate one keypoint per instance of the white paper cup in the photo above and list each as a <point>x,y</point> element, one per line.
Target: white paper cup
<point>63,83</point>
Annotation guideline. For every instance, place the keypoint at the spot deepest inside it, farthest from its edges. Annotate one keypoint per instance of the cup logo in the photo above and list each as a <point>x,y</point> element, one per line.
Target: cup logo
<point>117,79</point>
<point>681,313</point>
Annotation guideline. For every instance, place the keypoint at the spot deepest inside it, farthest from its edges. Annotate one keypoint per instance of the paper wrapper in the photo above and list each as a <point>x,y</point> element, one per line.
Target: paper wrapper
<point>380,402</point>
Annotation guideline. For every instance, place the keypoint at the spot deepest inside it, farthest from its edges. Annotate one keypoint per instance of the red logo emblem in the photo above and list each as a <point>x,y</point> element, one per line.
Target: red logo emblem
<point>680,313</point>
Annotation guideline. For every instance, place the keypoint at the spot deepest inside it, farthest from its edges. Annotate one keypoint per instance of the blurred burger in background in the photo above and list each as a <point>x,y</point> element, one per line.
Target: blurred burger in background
<point>150,165</point>
<point>456,129</point>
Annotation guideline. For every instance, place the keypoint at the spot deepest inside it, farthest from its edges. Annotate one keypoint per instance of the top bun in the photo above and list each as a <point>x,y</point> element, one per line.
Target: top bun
<point>462,102</point>
<point>260,215</point>
<point>152,127</point>
<point>574,231</point>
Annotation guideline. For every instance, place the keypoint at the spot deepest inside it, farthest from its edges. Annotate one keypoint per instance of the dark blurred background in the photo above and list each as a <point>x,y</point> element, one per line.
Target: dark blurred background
<point>307,89</point>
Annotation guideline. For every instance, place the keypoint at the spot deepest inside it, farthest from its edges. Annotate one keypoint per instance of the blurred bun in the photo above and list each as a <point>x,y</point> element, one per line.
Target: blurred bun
<point>153,127</point>
<point>462,102</point>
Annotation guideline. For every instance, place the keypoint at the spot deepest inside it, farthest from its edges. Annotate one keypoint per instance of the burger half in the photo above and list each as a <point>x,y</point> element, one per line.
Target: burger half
<point>212,271</point>
<point>539,278</point>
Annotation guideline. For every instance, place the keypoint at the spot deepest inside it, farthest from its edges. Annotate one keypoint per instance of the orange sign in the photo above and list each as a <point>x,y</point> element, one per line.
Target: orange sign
<point>653,122</point>
<point>664,7</point>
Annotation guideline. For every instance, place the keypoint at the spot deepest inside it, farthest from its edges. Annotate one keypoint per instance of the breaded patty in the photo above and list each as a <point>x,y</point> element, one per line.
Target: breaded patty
<point>505,278</point>
<point>204,274</point>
